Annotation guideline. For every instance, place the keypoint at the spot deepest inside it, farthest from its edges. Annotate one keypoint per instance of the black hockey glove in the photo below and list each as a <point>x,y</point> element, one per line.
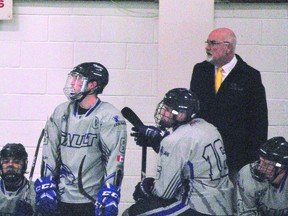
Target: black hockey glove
<point>143,190</point>
<point>23,209</point>
<point>149,136</point>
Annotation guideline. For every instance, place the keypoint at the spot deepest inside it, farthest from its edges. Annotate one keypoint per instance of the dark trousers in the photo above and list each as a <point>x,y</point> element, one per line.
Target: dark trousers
<point>75,209</point>
<point>158,206</point>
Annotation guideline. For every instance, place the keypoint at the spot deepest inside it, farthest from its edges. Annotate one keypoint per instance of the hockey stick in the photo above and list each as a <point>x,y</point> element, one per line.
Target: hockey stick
<point>34,163</point>
<point>80,183</point>
<point>84,193</point>
<point>132,117</point>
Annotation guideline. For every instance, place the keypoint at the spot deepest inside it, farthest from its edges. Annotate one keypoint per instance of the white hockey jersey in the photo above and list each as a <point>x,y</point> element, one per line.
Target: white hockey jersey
<point>260,198</point>
<point>192,167</point>
<point>99,134</point>
<point>8,199</point>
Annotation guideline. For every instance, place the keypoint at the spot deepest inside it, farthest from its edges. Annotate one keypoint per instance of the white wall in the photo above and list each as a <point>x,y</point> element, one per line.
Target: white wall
<point>45,40</point>
<point>262,32</point>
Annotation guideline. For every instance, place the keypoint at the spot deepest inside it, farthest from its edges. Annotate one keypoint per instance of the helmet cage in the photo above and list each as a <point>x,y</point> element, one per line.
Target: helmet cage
<point>13,151</point>
<point>164,116</point>
<point>267,170</point>
<point>181,103</point>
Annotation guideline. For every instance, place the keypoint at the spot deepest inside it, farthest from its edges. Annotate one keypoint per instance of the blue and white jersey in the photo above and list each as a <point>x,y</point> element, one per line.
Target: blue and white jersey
<point>99,134</point>
<point>192,167</point>
<point>260,198</point>
<point>8,199</point>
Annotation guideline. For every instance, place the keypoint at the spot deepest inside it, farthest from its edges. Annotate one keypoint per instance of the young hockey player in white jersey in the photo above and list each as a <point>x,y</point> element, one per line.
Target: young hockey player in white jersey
<point>83,127</point>
<point>192,175</point>
<point>17,196</point>
<point>263,185</point>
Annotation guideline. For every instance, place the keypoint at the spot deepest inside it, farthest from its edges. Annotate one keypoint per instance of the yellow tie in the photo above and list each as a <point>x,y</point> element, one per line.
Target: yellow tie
<point>218,79</point>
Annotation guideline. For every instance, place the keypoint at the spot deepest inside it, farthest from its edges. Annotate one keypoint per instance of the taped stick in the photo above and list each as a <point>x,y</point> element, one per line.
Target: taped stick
<point>84,193</point>
<point>133,118</point>
<point>80,183</point>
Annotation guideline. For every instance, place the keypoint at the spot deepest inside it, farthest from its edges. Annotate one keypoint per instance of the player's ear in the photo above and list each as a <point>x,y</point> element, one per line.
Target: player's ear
<point>93,84</point>
<point>181,116</point>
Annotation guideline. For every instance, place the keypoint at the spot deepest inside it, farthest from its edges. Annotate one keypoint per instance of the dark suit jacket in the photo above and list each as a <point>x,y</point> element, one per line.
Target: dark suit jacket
<point>238,110</point>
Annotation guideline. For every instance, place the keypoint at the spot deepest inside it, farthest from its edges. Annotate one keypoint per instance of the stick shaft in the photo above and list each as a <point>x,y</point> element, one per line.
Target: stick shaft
<point>36,155</point>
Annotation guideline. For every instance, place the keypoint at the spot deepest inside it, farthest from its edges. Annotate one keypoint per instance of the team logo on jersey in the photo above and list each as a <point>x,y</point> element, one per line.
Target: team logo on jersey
<point>78,140</point>
<point>96,123</point>
<point>163,152</point>
<point>116,118</point>
<point>118,121</point>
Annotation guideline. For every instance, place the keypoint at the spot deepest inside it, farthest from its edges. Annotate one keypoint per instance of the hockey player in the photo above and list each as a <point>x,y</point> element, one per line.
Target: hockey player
<point>17,195</point>
<point>263,185</point>
<point>192,176</point>
<point>84,126</point>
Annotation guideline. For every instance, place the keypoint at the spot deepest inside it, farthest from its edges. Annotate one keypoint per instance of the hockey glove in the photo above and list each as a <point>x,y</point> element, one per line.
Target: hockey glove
<point>46,196</point>
<point>23,209</point>
<point>108,200</point>
<point>143,190</point>
<point>149,136</point>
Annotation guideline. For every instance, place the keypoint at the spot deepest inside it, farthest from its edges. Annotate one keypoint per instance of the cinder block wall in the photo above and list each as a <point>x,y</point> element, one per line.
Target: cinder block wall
<point>262,31</point>
<point>46,39</point>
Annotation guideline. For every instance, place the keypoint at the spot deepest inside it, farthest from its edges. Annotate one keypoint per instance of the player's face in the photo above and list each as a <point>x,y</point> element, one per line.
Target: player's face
<point>267,167</point>
<point>12,165</point>
<point>166,116</point>
<point>76,82</point>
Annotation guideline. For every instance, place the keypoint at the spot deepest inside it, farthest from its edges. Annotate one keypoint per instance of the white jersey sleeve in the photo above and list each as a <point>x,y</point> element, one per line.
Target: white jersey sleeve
<point>194,154</point>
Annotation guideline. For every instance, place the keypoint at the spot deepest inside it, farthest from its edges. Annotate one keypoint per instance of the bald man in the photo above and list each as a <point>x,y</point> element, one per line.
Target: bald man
<point>238,108</point>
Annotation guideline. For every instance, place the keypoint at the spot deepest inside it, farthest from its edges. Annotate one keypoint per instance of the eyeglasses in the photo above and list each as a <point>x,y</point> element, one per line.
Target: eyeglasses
<point>214,43</point>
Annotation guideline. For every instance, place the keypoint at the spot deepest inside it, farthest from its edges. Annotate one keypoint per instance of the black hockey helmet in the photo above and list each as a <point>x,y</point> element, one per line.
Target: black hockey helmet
<point>180,100</point>
<point>16,151</point>
<point>87,72</point>
<point>275,149</point>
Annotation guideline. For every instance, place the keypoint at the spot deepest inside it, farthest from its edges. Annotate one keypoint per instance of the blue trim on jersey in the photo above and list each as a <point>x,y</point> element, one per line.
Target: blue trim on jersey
<point>94,107</point>
<point>75,109</point>
<point>170,211</point>
<point>2,186</point>
<point>89,111</point>
<point>191,169</point>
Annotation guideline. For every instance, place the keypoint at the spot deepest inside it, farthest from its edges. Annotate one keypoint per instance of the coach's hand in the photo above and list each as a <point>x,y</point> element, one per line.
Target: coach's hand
<point>149,136</point>
<point>46,196</point>
<point>143,189</point>
<point>108,199</point>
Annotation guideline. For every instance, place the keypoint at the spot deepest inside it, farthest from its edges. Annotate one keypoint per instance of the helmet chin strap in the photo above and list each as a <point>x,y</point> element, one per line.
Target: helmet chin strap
<point>278,176</point>
<point>90,92</point>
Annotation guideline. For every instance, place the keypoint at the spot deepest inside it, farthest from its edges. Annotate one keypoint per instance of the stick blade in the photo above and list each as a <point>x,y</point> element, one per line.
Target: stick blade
<point>131,116</point>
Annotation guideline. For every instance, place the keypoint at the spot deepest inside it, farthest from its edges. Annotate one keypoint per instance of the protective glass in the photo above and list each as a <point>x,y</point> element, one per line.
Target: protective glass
<point>75,86</point>
<point>11,168</point>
